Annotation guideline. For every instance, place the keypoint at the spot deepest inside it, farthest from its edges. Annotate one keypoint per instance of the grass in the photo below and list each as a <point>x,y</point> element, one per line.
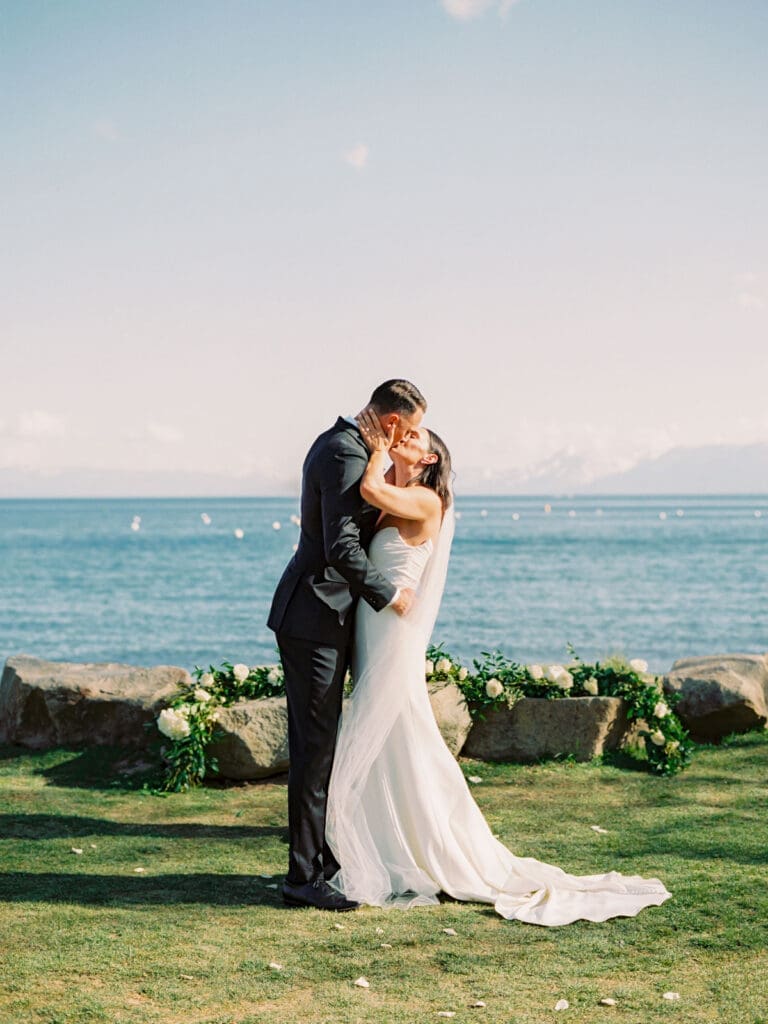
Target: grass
<point>88,938</point>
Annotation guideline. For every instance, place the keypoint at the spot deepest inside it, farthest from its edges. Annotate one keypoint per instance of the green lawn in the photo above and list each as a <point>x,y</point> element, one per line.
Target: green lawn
<point>189,938</point>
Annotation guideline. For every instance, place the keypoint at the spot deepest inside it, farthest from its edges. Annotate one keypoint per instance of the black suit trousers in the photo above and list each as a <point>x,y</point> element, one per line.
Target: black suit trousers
<point>314,685</point>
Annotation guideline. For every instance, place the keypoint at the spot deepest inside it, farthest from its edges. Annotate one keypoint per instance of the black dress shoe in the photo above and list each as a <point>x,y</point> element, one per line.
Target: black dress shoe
<point>316,894</point>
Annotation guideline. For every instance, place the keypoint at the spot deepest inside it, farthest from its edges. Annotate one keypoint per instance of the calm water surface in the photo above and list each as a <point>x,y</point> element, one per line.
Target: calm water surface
<point>659,578</point>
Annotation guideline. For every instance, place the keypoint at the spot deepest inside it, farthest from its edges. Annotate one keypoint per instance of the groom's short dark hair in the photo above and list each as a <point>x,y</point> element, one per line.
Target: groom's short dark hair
<point>398,396</point>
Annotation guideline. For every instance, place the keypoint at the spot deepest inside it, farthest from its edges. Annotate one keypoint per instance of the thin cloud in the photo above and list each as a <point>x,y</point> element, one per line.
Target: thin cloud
<point>165,433</point>
<point>39,424</point>
<point>106,130</point>
<point>357,157</point>
<point>468,10</point>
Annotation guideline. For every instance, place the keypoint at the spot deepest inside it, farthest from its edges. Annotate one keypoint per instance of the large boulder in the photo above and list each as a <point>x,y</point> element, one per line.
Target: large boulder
<point>47,704</point>
<point>254,739</point>
<point>536,728</point>
<point>451,714</point>
<point>720,693</point>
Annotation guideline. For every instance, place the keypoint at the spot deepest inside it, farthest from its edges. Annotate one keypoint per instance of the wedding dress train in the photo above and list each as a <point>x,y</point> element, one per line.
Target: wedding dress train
<point>401,820</point>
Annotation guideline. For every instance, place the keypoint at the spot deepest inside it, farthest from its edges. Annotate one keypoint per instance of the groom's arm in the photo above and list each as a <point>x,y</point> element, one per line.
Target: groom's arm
<point>340,505</point>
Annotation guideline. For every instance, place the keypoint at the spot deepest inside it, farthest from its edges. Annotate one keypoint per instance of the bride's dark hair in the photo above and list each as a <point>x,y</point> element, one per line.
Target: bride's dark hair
<point>437,475</point>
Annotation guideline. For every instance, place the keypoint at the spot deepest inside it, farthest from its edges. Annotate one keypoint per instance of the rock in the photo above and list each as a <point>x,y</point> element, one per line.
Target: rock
<point>47,704</point>
<point>451,714</point>
<point>721,693</point>
<point>535,728</point>
<point>255,739</point>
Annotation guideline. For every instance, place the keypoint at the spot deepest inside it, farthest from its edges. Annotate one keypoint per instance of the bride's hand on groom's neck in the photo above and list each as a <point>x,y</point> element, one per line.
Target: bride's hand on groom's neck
<point>373,434</point>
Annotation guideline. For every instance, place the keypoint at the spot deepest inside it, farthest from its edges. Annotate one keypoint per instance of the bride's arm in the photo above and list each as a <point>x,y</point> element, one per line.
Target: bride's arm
<point>419,503</point>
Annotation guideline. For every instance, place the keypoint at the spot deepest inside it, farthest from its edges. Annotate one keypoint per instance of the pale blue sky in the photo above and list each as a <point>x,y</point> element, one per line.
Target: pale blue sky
<point>225,222</point>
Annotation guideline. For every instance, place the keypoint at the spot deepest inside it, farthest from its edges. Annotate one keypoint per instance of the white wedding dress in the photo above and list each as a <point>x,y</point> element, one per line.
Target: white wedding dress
<point>401,820</point>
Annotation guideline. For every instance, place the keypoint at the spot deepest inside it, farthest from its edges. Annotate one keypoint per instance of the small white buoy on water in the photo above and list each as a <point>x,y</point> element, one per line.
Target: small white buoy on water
<point>572,513</point>
<point>276,525</point>
<point>515,516</point>
<point>295,547</point>
<point>679,513</point>
<point>662,515</point>
<point>598,511</point>
<point>457,515</point>
<point>547,508</point>
<point>758,513</point>
<point>136,524</point>
<point>296,520</point>
<point>206,518</point>
<point>239,533</point>
<point>483,512</point>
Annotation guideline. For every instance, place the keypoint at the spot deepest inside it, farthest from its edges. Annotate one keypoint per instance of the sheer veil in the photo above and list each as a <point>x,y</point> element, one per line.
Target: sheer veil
<point>423,614</point>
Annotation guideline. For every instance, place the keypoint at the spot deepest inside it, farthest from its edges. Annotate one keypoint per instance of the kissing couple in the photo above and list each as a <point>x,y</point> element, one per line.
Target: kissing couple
<point>379,811</point>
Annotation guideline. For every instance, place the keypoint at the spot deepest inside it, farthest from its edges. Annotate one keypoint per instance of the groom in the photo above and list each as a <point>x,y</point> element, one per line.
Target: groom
<point>312,614</point>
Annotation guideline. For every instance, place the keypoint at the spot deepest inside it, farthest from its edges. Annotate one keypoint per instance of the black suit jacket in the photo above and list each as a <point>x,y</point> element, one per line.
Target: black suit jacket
<point>330,570</point>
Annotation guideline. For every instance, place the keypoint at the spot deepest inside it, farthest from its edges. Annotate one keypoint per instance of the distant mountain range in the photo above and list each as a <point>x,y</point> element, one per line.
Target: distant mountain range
<point>710,469</point>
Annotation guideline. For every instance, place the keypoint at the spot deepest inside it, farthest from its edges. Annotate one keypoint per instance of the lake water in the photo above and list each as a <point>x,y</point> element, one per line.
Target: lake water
<point>653,577</point>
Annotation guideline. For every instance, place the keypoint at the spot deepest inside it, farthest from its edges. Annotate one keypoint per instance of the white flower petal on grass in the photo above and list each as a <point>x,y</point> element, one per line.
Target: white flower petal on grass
<point>139,871</point>
<point>607,1002</point>
<point>671,996</point>
<point>599,829</point>
<point>478,1003</point>
<point>450,931</point>
<point>186,977</point>
<point>340,927</point>
<point>379,931</point>
<point>93,846</point>
<point>362,983</point>
<point>270,886</point>
<point>75,849</point>
<point>386,945</point>
<point>446,1013</point>
<point>474,778</point>
<point>275,966</point>
<point>562,1004</point>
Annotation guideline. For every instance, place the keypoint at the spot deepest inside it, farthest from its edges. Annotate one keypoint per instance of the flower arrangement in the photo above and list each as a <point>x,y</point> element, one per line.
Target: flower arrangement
<point>189,723</point>
<point>497,681</point>
<point>190,720</point>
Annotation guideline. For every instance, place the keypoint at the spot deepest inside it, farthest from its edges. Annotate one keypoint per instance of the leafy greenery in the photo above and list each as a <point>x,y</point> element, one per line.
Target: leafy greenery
<point>196,706</point>
<point>88,939</point>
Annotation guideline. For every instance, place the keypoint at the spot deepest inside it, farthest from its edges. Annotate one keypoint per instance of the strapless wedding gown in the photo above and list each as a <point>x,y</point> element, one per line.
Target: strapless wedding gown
<point>401,820</point>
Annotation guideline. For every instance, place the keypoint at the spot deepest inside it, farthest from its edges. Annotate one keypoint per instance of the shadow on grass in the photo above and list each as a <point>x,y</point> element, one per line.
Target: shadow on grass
<point>65,826</point>
<point>122,890</point>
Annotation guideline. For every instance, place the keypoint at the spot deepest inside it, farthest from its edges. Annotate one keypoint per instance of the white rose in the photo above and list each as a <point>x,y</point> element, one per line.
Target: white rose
<point>172,724</point>
<point>536,671</point>
<point>672,746</point>
<point>273,676</point>
<point>463,673</point>
<point>638,665</point>
<point>207,679</point>
<point>565,680</point>
<point>661,710</point>
<point>202,695</point>
<point>443,665</point>
<point>429,667</point>
<point>494,688</point>
<point>241,673</point>
<point>552,672</point>
<point>216,715</point>
<point>590,685</point>
<point>658,738</point>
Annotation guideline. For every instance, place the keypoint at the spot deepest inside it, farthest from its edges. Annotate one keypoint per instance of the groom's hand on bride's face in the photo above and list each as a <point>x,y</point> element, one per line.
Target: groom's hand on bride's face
<point>403,603</point>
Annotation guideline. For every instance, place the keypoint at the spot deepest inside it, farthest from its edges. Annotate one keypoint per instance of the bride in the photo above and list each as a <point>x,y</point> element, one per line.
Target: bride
<point>401,820</point>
